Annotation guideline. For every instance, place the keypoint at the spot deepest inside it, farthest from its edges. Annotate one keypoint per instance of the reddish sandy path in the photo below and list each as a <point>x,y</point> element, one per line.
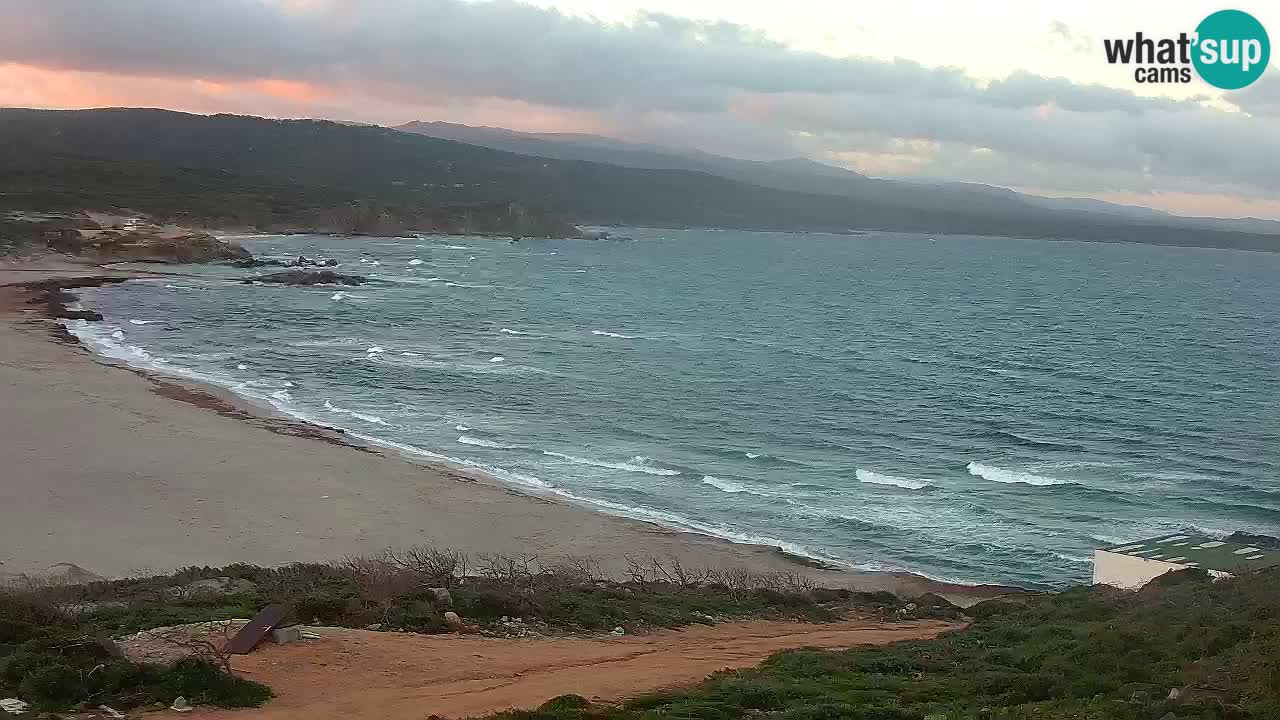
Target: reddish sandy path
<point>354,674</point>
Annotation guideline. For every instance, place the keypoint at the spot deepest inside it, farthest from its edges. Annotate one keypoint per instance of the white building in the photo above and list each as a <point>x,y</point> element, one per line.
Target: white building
<point>1135,564</point>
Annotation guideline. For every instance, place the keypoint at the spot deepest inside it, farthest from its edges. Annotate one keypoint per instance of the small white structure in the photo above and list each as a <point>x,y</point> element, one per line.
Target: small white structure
<point>1133,565</point>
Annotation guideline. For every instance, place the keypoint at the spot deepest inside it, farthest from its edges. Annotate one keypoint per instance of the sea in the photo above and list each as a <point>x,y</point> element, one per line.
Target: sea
<point>973,409</point>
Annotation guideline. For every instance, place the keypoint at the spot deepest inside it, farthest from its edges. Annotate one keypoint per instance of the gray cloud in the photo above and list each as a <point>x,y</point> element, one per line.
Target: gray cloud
<point>719,86</point>
<point>1262,98</point>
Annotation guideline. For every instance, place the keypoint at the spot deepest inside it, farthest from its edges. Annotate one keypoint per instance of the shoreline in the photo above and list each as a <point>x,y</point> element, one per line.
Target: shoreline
<point>611,533</point>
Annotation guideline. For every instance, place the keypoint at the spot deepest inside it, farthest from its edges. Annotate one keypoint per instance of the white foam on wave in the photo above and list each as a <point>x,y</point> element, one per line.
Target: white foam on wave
<point>375,350</point>
<point>638,464</point>
<point>1078,559</point>
<point>1001,475</point>
<point>242,366</point>
<point>509,331</point>
<point>497,358</point>
<point>752,456</point>
<point>461,428</point>
<point>606,333</point>
<point>415,261</point>
<point>457,247</point>
<point>875,478</point>
<point>358,415</point>
<point>481,442</point>
<point>142,322</point>
<point>118,334</point>
<point>340,295</point>
<point>724,485</point>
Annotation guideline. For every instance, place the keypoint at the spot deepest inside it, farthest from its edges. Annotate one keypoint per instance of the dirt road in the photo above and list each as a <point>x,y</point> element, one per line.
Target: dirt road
<point>354,674</point>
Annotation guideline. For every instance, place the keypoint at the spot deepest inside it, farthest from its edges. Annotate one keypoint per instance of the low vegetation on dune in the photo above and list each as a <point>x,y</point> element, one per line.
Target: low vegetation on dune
<point>50,655</point>
<point>1184,647</point>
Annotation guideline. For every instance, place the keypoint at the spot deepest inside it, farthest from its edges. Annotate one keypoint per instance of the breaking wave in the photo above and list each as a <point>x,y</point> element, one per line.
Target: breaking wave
<point>620,336</point>
<point>358,415</point>
<point>875,478</point>
<point>1001,475</point>
<point>638,464</point>
<point>481,442</point>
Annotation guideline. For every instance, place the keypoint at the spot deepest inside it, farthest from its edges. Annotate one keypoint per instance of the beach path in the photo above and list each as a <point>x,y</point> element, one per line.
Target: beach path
<point>354,674</point>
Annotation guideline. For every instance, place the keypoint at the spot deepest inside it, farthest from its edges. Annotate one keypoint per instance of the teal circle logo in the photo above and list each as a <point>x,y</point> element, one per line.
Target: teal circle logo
<point>1232,50</point>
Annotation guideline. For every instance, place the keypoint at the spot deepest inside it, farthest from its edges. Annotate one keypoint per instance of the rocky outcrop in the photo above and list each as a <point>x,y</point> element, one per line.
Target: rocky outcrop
<point>53,295</point>
<point>308,277</point>
<point>301,261</point>
<point>146,246</point>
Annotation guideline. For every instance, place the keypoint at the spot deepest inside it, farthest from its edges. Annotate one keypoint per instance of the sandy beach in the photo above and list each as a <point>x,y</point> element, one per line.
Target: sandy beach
<point>123,473</point>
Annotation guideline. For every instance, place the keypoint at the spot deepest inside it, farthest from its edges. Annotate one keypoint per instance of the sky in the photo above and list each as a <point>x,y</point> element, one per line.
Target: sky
<point>1012,94</point>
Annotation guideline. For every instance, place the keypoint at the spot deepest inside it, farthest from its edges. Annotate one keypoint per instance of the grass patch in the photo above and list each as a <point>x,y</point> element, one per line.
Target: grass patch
<point>49,656</point>
<point>52,661</point>
<point>1085,654</point>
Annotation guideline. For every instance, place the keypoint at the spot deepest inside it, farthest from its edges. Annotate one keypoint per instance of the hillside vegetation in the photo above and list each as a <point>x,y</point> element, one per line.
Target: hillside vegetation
<point>310,174</point>
<point>1183,647</point>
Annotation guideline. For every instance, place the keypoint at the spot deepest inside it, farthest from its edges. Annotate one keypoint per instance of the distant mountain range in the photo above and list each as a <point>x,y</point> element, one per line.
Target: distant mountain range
<point>274,172</point>
<point>811,176</point>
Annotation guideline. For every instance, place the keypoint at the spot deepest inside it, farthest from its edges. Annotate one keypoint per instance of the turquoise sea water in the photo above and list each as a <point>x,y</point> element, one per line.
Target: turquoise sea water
<point>976,409</point>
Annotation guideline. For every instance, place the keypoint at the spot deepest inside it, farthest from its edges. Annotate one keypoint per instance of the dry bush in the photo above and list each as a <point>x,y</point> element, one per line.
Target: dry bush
<point>379,579</point>
<point>436,567</point>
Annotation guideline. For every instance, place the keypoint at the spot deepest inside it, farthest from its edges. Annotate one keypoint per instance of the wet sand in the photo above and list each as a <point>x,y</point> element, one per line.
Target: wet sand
<point>124,473</point>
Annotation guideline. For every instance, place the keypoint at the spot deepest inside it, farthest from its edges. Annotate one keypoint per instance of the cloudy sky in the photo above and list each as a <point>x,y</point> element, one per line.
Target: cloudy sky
<point>1011,94</point>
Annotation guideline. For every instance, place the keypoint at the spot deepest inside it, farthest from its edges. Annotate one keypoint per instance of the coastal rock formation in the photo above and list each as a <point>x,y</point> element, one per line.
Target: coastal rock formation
<point>302,261</point>
<point>112,238</point>
<point>150,246</point>
<point>307,277</point>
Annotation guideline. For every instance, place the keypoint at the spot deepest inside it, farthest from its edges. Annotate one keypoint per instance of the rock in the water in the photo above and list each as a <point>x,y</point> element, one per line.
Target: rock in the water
<point>254,262</point>
<point>307,277</point>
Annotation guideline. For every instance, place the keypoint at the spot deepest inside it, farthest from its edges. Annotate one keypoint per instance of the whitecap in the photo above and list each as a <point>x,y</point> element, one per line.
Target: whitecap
<point>340,295</point>
<point>143,322</point>
<point>461,428</point>
<point>1001,475</point>
<point>509,331</point>
<point>481,442</point>
<point>639,464</point>
<point>282,396</point>
<point>415,261</point>
<point>118,334</point>
<point>725,485</point>
<point>1079,559</point>
<point>242,366</point>
<point>752,456</point>
<point>457,247</point>
<point>613,335</point>
<point>497,358</point>
<point>375,349</point>
<point>875,478</point>
<point>406,353</point>
<point>358,415</point>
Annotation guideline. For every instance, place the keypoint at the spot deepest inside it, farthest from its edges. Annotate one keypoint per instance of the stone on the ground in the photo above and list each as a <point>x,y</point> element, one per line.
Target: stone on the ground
<point>374,626</point>
<point>13,706</point>
<point>454,621</point>
<point>286,635</point>
<point>619,631</point>
<point>180,705</point>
